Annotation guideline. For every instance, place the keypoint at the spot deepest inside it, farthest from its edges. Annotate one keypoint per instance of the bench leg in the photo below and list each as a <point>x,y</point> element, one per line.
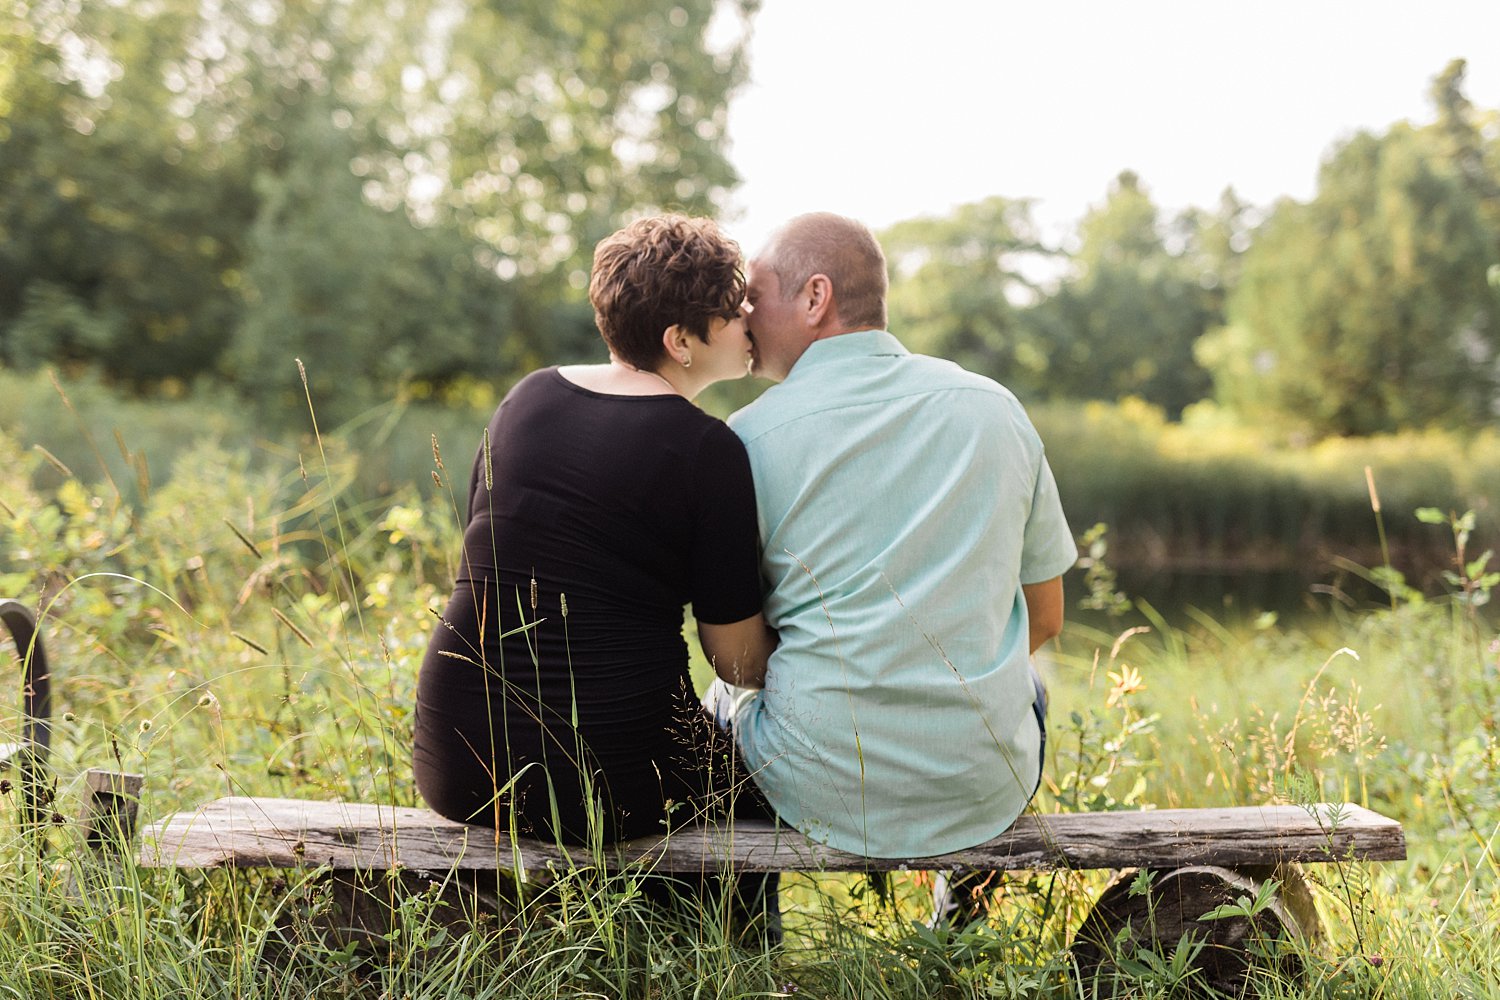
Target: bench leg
<point>373,913</point>
<point>110,812</point>
<point>1170,910</point>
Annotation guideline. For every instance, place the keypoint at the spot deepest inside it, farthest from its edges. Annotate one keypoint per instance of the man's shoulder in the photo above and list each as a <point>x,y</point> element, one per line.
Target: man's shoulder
<point>911,375</point>
<point>942,373</point>
<point>946,390</point>
<point>760,414</point>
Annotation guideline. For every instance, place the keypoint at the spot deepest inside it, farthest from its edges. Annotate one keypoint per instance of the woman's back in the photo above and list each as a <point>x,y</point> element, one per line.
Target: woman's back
<point>627,508</point>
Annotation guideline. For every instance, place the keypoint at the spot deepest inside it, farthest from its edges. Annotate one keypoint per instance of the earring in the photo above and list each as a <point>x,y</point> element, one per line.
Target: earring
<point>687,362</point>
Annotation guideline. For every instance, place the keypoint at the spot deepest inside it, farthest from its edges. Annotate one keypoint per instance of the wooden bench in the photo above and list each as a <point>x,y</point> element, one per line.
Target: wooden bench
<point>294,833</point>
<point>1201,859</point>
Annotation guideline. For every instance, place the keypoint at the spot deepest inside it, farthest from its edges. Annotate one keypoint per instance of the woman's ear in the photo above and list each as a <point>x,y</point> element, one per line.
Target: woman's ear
<point>675,340</point>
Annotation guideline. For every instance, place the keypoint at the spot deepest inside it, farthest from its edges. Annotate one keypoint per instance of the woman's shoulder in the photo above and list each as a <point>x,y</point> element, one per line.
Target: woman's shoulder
<point>720,453</point>
<point>544,386</point>
<point>716,433</point>
<point>540,380</point>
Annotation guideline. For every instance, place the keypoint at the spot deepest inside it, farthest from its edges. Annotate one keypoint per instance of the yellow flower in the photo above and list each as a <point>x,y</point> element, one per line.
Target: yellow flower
<point>1125,683</point>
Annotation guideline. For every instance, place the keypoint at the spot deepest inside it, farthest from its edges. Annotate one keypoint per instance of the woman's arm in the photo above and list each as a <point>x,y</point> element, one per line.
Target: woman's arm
<point>738,651</point>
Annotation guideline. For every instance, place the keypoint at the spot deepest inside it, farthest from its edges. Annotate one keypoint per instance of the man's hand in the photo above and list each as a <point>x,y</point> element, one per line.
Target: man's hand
<point>1044,610</point>
<point>739,651</point>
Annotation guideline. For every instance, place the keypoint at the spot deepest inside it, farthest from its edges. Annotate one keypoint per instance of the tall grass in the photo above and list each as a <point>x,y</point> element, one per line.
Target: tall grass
<point>1208,493</point>
<point>220,635</point>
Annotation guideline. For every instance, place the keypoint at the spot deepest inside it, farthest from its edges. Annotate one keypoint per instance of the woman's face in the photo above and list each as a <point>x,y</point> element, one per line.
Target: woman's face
<point>728,352</point>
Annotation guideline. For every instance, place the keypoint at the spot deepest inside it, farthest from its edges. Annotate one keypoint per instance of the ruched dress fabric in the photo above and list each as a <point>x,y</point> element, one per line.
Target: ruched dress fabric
<point>585,724</point>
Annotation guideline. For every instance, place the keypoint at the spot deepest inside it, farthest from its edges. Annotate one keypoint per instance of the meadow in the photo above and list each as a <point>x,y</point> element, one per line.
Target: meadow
<point>249,621</point>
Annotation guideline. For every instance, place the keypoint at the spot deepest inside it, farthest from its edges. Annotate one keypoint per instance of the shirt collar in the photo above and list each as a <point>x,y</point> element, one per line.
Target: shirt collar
<point>846,346</point>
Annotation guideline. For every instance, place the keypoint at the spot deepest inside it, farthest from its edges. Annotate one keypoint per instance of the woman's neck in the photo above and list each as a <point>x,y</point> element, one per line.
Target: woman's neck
<point>617,378</point>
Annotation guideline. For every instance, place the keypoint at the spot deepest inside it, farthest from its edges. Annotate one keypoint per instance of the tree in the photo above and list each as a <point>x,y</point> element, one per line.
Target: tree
<point>1367,309</point>
<point>1458,137</point>
<point>1124,322</point>
<point>959,288</point>
<point>366,300</point>
<point>161,165</point>
<point>112,239</point>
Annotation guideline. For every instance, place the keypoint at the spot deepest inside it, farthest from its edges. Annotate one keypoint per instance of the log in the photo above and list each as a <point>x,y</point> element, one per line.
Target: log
<point>293,833</point>
<point>1170,914</point>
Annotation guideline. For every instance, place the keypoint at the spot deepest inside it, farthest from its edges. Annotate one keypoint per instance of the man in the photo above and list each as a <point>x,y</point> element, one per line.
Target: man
<point>913,548</point>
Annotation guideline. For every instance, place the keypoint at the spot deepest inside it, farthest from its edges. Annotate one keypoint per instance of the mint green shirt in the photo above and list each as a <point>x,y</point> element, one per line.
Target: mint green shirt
<point>903,502</point>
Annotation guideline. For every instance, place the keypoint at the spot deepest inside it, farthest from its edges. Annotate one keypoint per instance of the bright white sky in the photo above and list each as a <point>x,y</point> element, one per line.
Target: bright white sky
<point>888,110</point>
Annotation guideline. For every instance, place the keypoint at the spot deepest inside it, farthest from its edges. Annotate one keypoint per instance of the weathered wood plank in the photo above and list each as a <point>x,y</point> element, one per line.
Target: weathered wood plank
<point>285,833</point>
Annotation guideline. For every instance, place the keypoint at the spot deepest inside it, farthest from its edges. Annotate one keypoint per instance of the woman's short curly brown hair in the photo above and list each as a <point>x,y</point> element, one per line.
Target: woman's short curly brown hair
<point>658,272</point>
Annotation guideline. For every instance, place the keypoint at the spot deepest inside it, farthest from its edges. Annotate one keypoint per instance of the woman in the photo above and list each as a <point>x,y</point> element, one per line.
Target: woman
<point>555,692</point>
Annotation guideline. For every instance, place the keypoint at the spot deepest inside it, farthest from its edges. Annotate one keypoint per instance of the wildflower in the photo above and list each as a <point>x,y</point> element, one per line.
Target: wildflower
<point>146,725</point>
<point>5,786</point>
<point>1126,683</point>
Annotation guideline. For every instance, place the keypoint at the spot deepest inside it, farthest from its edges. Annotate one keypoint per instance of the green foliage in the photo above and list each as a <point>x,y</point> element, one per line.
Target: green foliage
<point>1366,310</point>
<point>113,237</point>
<point>958,287</point>
<point>398,196</point>
<point>1208,494</point>
<point>1125,321</point>
<point>368,302</point>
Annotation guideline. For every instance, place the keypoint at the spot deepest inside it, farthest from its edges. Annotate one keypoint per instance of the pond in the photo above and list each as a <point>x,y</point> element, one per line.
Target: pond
<point>1235,599</point>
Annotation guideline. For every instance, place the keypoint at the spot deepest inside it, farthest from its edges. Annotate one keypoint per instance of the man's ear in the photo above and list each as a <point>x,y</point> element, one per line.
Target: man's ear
<point>818,296</point>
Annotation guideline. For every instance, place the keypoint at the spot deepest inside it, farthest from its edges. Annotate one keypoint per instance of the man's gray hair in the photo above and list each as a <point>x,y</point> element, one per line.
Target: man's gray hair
<point>841,248</point>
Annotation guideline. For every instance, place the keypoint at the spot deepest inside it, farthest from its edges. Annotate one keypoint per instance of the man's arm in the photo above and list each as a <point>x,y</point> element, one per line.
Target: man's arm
<point>739,651</point>
<point>1044,610</point>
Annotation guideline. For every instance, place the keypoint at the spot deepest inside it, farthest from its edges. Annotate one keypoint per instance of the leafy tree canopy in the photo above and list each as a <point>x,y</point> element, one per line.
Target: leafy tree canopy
<point>1124,320</point>
<point>960,285</point>
<point>402,191</point>
<point>1367,309</point>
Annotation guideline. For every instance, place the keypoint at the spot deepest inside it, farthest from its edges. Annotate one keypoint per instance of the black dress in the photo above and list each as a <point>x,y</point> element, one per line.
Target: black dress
<point>621,509</point>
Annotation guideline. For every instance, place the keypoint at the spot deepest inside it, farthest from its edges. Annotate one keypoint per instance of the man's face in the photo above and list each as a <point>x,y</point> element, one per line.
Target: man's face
<point>775,324</point>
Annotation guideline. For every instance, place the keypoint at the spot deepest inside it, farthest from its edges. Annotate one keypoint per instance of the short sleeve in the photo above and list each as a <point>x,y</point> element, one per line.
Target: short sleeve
<point>725,557</point>
<point>1047,548</point>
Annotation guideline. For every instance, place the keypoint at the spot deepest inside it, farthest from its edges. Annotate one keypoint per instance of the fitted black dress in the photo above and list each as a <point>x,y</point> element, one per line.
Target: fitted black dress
<point>621,509</point>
